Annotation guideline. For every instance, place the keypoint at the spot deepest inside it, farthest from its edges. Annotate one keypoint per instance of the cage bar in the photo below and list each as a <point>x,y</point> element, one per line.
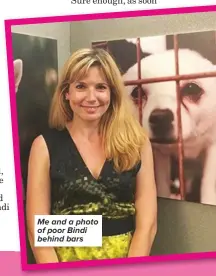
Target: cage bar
<point>139,77</point>
<point>179,121</point>
<point>172,78</point>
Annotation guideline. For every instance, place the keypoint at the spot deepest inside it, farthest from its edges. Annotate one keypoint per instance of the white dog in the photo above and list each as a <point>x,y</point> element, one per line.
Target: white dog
<point>198,113</point>
<point>18,72</point>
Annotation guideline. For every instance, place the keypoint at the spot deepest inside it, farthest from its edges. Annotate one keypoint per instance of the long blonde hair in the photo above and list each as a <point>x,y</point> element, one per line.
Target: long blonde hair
<point>122,134</point>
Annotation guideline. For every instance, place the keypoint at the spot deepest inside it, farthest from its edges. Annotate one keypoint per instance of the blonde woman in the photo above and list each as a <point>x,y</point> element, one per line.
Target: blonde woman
<point>95,159</point>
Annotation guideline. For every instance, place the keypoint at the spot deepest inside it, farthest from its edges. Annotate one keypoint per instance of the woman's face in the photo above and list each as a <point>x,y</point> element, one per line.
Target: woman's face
<point>89,98</point>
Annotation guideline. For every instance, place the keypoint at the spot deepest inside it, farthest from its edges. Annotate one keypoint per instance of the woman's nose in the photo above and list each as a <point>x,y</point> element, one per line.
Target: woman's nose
<point>91,96</point>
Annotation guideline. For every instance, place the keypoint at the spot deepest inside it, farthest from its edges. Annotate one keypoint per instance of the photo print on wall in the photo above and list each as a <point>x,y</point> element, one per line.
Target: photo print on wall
<point>172,81</point>
<point>36,75</point>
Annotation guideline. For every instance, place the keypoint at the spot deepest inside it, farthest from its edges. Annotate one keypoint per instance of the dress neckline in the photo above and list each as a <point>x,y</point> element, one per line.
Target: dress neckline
<point>81,160</point>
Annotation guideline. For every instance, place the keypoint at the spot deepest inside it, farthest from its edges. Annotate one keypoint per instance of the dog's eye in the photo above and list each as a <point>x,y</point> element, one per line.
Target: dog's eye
<point>192,91</point>
<point>135,95</point>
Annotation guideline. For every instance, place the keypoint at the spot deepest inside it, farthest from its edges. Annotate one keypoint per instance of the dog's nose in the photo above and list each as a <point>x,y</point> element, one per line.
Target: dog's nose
<point>161,117</point>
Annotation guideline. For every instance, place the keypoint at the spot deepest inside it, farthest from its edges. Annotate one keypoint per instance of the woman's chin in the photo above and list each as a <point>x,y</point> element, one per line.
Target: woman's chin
<point>91,117</point>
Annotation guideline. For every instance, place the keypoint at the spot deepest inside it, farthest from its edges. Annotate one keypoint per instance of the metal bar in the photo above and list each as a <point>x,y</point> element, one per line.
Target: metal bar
<point>180,139</point>
<point>139,77</point>
<point>172,78</point>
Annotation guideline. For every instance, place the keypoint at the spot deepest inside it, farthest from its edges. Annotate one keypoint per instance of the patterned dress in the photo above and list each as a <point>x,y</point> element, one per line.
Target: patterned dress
<point>74,191</point>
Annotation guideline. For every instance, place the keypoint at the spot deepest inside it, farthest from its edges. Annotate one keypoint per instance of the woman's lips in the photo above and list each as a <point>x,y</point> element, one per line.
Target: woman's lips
<point>90,109</point>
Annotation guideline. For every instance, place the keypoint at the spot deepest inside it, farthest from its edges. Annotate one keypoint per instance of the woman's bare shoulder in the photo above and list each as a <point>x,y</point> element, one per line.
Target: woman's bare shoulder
<point>39,147</point>
<point>39,142</point>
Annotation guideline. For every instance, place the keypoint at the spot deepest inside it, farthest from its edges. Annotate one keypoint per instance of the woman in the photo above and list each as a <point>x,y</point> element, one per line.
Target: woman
<point>95,159</point>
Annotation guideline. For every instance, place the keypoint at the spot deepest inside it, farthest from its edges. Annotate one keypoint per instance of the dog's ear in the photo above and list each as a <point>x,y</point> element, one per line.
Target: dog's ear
<point>125,53</point>
<point>18,72</point>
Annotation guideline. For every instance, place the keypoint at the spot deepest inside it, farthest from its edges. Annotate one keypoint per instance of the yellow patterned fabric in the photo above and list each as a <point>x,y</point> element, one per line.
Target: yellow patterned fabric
<point>112,247</point>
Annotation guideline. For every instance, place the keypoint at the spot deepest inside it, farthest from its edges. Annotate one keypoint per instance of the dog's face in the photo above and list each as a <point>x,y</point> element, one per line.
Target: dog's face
<point>198,96</point>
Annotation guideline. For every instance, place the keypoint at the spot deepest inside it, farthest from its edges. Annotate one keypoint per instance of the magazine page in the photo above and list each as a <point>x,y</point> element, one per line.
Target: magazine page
<point>108,137</point>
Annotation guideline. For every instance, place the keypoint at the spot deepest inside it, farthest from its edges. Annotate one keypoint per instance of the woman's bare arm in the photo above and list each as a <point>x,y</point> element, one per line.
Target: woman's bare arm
<point>38,196</point>
<point>146,206</point>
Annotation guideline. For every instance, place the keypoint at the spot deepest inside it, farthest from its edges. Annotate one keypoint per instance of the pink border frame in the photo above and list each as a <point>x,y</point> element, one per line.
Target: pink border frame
<point>70,18</point>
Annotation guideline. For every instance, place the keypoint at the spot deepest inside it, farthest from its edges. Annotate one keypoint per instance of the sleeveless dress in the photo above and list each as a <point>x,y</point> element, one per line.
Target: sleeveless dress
<point>74,191</point>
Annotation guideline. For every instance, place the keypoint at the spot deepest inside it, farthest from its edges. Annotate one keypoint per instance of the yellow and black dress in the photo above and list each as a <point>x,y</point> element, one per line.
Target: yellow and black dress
<point>74,191</point>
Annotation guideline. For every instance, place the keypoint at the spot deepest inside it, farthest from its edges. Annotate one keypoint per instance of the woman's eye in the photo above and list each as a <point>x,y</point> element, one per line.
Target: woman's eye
<point>80,86</point>
<point>101,87</point>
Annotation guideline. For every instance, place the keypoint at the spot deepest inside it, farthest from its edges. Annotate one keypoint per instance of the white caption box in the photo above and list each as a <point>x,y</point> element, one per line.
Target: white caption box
<point>68,231</point>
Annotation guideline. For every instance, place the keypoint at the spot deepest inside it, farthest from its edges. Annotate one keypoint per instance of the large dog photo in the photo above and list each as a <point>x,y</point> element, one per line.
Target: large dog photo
<point>196,102</point>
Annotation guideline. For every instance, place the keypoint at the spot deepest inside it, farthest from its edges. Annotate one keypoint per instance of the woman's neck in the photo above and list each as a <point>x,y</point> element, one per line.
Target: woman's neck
<point>89,131</point>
